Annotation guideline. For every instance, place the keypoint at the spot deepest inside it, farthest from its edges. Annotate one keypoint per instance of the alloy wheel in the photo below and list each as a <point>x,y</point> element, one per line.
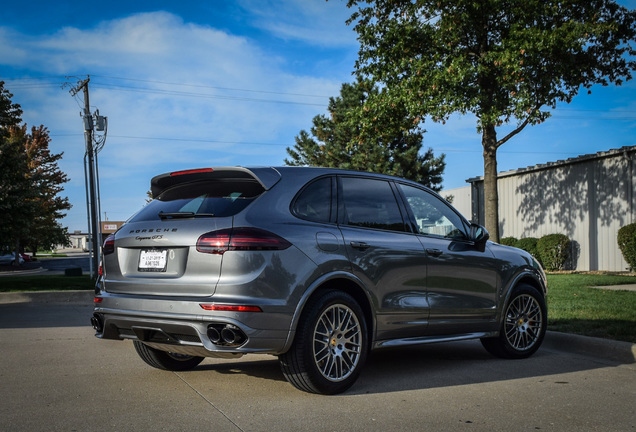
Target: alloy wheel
<point>524,319</point>
<point>337,342</point>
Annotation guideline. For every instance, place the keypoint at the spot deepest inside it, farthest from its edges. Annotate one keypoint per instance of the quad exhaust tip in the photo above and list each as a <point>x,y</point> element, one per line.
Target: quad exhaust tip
<point>226,335</point>
<point>97,322</point>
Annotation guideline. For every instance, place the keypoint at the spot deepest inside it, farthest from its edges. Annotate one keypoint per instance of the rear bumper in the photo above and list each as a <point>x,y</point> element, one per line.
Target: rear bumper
<point>182,330</point>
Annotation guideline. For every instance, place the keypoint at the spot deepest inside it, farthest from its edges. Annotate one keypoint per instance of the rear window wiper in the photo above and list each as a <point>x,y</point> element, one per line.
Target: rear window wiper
<point>183,215</point>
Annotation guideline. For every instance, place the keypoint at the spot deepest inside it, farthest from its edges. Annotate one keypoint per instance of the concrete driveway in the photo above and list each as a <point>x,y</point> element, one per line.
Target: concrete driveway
<point>56,375</point>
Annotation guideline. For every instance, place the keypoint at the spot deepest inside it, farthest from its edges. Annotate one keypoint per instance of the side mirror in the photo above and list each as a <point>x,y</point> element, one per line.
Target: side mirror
<point>479,235</point>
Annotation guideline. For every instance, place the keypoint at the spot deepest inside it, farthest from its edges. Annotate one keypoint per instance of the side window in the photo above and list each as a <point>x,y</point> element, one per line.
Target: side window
<point>433,216</point>
<point>314,202</point>
<point>370,203</point>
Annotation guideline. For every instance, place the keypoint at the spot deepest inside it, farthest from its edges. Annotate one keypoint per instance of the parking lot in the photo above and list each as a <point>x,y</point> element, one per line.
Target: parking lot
<point>57,376</point>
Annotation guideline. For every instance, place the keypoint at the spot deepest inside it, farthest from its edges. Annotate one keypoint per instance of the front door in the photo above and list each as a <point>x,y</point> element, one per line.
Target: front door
<point>461,281</point>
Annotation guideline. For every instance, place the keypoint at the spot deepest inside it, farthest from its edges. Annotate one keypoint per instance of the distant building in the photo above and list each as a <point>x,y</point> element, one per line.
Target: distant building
<point>81,240</point>
<point>78,240</point>
<point>460,200</point>
<point>588,198</point>
<point>109,227</point>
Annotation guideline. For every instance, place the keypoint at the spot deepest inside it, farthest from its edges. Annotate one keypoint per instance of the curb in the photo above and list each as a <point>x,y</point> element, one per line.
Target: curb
<point>622,352</point>
<point>619,351</point>
<point>67,297</point>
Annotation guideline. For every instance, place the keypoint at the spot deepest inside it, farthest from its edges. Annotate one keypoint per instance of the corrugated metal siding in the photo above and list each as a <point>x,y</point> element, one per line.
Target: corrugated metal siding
<point>461,200</point>
<point>548,202</point>
<point>588,199</point>
<point>613,210</point>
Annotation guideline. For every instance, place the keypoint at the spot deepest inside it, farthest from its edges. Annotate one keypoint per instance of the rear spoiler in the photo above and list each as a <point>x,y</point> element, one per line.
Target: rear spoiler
<point>266,176</point>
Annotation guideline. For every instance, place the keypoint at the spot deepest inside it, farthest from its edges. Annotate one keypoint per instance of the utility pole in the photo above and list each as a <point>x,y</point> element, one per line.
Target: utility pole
<point>95,231</point>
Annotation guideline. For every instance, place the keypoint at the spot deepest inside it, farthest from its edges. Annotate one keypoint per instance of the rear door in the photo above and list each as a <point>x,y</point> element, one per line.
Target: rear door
<point>384,255</point>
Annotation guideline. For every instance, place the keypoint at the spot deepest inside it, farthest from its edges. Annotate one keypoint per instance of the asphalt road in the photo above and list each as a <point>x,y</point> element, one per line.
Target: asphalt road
<point>56,376</point>
<point>60,264</point>
<point>49,266</point>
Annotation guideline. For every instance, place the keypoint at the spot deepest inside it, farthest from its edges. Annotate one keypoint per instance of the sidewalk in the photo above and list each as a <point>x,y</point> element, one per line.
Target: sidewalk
<point>631,287</point>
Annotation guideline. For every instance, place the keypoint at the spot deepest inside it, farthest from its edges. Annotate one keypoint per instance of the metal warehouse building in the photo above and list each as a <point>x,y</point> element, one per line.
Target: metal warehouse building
<point>588,198</point>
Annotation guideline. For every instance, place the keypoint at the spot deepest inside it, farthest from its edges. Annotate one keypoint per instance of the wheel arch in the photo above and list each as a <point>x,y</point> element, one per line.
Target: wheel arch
<point>518,337</point>
<point>341,281</point>
<point>529,279</point>
<point>524,278</point>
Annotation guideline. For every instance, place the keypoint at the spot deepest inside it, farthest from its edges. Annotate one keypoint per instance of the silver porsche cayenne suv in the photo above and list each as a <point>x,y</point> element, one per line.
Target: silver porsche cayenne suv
<point>316,266</point>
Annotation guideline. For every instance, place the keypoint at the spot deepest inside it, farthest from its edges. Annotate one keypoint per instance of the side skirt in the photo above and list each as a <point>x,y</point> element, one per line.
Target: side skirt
<point>431,339</point>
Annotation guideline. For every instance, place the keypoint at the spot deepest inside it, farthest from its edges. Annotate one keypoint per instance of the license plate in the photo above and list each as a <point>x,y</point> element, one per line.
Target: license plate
<point>153,260</point>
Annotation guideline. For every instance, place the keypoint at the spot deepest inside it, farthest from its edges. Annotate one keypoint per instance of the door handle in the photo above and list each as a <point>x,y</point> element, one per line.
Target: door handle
<point>433,252</point>
<point>360,245</point>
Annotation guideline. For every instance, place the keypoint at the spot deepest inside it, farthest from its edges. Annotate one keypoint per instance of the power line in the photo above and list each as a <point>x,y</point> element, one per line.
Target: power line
<point>34,78</point>
<point>62,77</point>
<point>212,87</point>
<point>199,95</point>
<point>200,140</point>
<point>203,140</point>
<point>27,83</point>
<point>561,113</point>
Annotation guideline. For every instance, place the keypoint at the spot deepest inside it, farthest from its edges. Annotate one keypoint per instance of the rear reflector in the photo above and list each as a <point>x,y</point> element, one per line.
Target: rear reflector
<point>192,171</point>
<point>230,308</point>
<point>240,239</point>
<point>98,300</point>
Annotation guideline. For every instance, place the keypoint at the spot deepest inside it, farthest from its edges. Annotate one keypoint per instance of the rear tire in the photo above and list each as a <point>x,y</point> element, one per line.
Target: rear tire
<point>523,325</point>
<point>330,347</point>
<point>165,360</point>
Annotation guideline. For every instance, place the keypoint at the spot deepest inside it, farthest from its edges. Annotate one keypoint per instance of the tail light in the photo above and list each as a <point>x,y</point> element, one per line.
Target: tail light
<point>109,245</point>
<point>240,239</point>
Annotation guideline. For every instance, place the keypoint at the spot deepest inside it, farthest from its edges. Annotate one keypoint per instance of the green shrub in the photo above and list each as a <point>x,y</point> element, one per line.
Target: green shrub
<point>627,243</point>
<point>529,244</point>
<point>508,241</point>
<point>553,250</point>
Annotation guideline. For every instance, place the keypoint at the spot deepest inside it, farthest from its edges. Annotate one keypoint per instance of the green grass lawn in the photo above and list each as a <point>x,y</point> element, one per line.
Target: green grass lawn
<point>574,307</point>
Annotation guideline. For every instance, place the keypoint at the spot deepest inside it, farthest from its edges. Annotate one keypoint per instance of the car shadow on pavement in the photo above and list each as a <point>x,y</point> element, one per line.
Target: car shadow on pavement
<point>429,367</point>
<point>267,368</point>
<point>460,363</point>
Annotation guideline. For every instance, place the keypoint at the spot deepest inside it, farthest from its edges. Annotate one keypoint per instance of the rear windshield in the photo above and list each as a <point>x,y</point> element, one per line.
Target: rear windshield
<point>208,198</point>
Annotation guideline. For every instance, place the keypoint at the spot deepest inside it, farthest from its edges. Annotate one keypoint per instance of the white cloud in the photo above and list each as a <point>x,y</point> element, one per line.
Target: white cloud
<point>317,22</point>
<point>191,60</point>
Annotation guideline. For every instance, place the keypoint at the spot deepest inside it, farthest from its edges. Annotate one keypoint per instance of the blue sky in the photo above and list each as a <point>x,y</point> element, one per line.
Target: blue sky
<point>222,83</point>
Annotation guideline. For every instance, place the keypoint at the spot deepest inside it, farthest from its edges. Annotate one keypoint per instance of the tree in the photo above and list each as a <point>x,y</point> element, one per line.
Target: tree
<point>9,112</point>
<point>391,147</point>
<point>46,180</point>
<point>30,181</point>
<point>505,61</point>
<point>13,183</point>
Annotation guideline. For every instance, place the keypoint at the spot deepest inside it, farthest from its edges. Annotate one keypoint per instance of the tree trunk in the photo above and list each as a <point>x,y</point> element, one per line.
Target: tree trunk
<point>491,195</point>
<point>16,252</point>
